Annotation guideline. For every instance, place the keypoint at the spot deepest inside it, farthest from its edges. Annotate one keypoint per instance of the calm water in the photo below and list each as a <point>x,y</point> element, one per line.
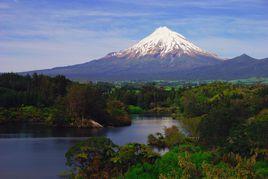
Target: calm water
<point>38,152</point>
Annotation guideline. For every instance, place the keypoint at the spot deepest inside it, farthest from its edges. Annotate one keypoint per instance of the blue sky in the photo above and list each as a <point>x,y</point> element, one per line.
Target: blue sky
<point>37,34</point>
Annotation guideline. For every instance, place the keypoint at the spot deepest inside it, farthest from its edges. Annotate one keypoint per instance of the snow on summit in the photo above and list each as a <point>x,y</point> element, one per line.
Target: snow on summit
<point>163,42</point>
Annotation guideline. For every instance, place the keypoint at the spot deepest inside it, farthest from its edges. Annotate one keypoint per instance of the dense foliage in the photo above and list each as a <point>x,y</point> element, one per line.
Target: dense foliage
<point>171,137</point>
<point>227,115</point>
<point>228,125</point>
<point>192,161</point>
<point>98,157</point>
<point>58,101</point>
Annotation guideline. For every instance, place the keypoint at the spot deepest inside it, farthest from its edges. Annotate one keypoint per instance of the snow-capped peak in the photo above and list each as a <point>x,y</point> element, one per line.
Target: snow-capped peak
<point>163,42</point>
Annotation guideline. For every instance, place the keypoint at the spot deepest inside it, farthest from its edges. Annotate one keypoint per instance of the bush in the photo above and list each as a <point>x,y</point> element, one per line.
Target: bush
<point>135,109</point>
<point>168,164</point>
<point>98,157</point>
<point>117,113</point>
<point>56,117</point>
<point>157,140</point>
<point>171,137</point>
<point>192,124</point>
<point>3,115</point>
<point>134,153</point>
<point>244,139</point>
<point>258,129</point>
<point>261,169</point>
<point>145,171</point>
<point>191,161</point>
<point>30,113</point>
<point>92,157</point>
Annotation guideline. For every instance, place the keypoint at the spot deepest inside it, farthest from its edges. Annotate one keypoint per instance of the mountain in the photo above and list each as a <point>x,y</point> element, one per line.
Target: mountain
<point>162,43</point>
<point>164,54</point>
<point>240,67</point>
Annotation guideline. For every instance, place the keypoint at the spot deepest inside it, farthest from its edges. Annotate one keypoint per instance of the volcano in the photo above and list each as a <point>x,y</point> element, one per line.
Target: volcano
<point>162,55</point>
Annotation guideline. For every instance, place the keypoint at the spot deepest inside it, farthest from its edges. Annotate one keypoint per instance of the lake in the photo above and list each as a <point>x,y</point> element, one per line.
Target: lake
<point>38,151</point>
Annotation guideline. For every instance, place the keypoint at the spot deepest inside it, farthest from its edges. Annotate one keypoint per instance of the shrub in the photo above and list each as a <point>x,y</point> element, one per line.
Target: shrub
<point>117,113</point>
<point>145,171</point>
<point>92,157</point>
<point>173,136</point>
<point>157,140</point>
<point>135,109</point>
<point>261,169</point>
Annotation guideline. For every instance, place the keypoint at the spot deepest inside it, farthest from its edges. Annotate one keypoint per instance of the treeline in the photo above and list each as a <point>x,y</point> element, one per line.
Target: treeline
<point>36,90</point>
<point>61,102</point>
<point>57,101</point>
<point>149,97</point>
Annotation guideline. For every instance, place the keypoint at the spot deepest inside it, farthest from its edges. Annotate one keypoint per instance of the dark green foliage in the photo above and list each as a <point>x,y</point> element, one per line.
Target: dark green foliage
<point>86,102</point>
<point>261,169</point>
<point>191,161</point>
<point>196,101</point>
<point>218,114</point>
<point>148,97</point>
<point>91,158</point>
<point>170,166</point>
<point>134,153</point>
<point>57,101</point>
<point>157,140</point>
<point>37,90</point>
<point>171,137</point>
<point>145,171</point>
<point>98,157</point>
<point>229,122</point>
<point>135,109</point>
<point>257,129</point>
<point>245,138</point>
<point>117,113</point>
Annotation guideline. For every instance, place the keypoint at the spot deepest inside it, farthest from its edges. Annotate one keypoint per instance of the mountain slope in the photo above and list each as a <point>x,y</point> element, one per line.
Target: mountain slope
<point>164,54</point>
<point>239,67</point>
<point>161,52</point>
<point>162,43</point>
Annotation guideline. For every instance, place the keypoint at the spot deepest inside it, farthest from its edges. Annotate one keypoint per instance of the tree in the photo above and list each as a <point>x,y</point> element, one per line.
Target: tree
<point>117,113</point>
<point>92,158</point>
<point>77,101</point>
<point>134,153</point>
<point>173,136</point>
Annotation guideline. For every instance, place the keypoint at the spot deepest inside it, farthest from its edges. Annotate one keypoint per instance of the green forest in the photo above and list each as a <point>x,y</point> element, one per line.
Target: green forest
<point>228,125</point>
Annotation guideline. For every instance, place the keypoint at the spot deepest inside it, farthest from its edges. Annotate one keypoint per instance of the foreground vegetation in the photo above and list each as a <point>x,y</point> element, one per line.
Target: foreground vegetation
<point>229,136</point>
<point>100,158</point>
